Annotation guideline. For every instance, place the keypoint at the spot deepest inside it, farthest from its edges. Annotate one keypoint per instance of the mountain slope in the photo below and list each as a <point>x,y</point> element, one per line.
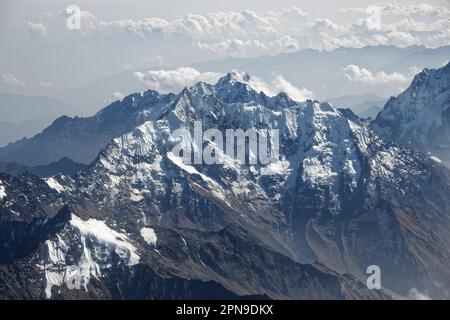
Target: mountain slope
<point>142,221</point>
<point>81,252</point>
<point>339,195</point>
<point>420,116</point>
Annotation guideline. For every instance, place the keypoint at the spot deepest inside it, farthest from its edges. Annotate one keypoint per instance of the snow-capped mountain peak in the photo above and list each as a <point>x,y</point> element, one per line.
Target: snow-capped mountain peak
<point>338,194</point>
<point>234,76</point>
<point>420,116</point>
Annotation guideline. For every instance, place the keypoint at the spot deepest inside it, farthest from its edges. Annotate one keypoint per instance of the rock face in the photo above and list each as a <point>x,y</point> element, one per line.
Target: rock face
<point>420,116</point>
<point>83,252</point>
<point>141,222</point>
<point>28,215</point>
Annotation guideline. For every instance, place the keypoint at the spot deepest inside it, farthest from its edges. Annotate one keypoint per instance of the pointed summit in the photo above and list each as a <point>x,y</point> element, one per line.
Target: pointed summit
<point>419,117</point>
<point>234,76</point>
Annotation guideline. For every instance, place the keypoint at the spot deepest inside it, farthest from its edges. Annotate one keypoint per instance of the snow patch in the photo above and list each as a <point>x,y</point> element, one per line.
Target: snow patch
<point>279,167</point>
<point>415,294</point>
<point>98,244</point>
<point>52,183</point>
<point>192,170</point>
<point>54,265</point>
<point>136,195</point>
<point>436,159</point>
<point>2,190</point>
<point>149,236</point>
<point>96,231</point>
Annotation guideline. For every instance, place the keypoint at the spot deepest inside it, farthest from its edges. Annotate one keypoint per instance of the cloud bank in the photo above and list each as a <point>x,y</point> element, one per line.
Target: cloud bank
<point>361,75</point>
<point>36,29</point>
<point>11,79</point>
<point>415,294</point>
<point>176,79</point>
<point>249,34</point>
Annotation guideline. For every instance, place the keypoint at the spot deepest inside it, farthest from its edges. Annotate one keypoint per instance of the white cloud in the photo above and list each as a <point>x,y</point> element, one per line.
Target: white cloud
<point>280,84</point>
<point>235,48</point>
<point>36,29</point>
<point>402,10</point>
<point>299,94</point>
<point>422,9</point>
<point>214,26</point>
<point>325,25</point>
<point>176,79</point>
<point>402,25</point>
<point>88,21</point>
<point>402,39</point>
<point>361,75</point>
<point>11,79</point>
<point>117,95</point>
<point>415,294</point>
<point>251,48</point>
<point>128,66</point>
<point>46,84</point>
<point>249,33</point>
<point>153,61</point>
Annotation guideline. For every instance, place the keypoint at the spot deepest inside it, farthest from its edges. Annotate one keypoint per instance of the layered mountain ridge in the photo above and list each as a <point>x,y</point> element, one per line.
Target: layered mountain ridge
<point>339,199</point>
<point>64,166</point>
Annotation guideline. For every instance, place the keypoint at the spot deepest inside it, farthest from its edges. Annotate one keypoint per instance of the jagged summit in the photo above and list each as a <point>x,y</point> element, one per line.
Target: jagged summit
<point>338,194</point>
<point>234,76</point>
<point>82,138</point>
<point>420,116</point>
<point>334,175</point>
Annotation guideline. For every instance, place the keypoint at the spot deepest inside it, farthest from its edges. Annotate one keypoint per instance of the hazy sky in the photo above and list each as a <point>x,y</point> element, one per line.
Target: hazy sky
<point>39,55</point>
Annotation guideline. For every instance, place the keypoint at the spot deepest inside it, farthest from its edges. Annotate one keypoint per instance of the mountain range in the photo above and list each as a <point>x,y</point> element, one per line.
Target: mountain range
<point>138,222</point>
<point>24,115</point>
<point>89,94</point>
<point>82,138</point>
<point>420,116</point>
